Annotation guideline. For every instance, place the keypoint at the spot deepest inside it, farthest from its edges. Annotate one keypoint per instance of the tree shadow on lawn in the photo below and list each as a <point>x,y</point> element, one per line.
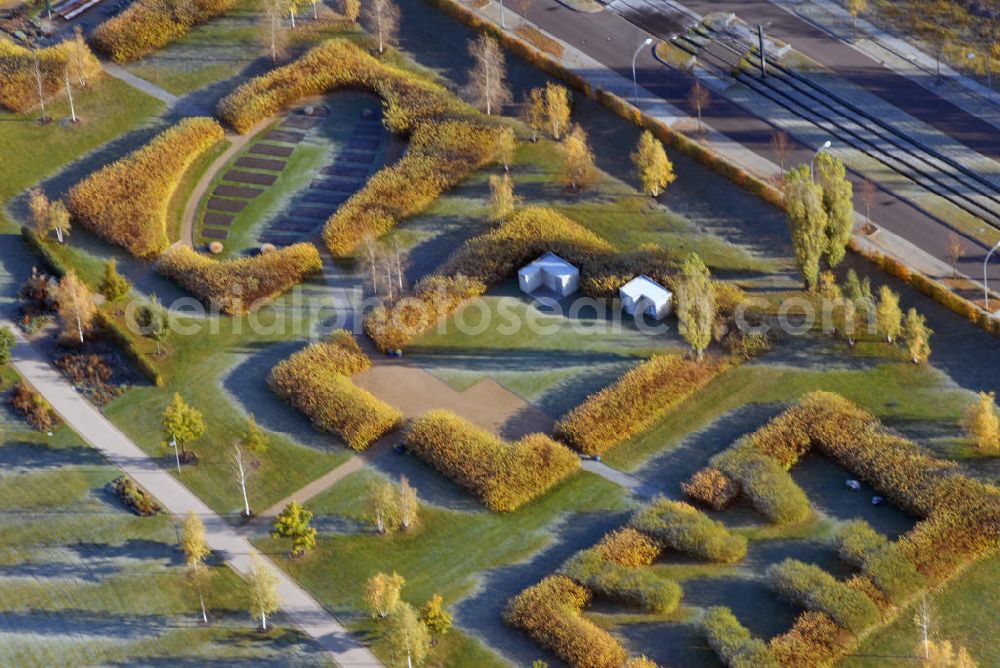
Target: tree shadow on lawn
<point>445,234</point>
<point>22,456</point>
<point>86,623</point>
<point>482,612</point>
<point>135,549</point>
<point>817,352</point>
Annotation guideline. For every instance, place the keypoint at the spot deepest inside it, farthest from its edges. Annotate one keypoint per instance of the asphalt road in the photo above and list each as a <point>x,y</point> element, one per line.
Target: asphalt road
<point>612,40</point>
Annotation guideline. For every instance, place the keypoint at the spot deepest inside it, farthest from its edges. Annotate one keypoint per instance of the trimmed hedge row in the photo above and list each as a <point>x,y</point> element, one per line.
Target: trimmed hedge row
<point>125,202</point>
<point>712,487</point>
<point>18,85</point>
<point>733,643</point>
<point>814,641</point>
<point>148,25</point>
<point>448,139</point>
<point>762,481</point>
<point>392,326</point>
<point>684,528</point>
<point>238,285</point>
<point>504,475</point>
<point>815,589</point>
<point>633,586</point>
<point>628,547</point>
<point>313,381</point>
<point>635,401</point>
<point>550,613</point>
<point>883,562</point>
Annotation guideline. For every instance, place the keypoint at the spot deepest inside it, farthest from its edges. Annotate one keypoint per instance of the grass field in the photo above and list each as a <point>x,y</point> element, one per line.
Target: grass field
<point>83,581</point>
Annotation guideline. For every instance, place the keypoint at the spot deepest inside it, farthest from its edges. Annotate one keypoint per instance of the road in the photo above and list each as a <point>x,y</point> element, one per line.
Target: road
<point>300,607</point>
<point>611,40</point>
<point>859,69</point>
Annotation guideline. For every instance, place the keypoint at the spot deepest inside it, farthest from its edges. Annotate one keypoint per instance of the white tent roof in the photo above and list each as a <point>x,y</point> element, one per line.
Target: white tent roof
<point>553,264</point>
<point>643,286</point>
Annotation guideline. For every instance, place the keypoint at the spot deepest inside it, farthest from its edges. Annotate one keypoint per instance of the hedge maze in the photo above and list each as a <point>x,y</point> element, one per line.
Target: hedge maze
<point>959,522</point>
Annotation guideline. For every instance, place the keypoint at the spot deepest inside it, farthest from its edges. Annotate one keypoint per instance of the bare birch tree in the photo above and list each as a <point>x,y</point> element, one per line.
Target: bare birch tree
<point>272,28</point>
<point>240,473</point>
<point>371,250</point>
<point>487,87</point>
<point>69,96</point>
<point>382,18</point>
<point>38,80</point>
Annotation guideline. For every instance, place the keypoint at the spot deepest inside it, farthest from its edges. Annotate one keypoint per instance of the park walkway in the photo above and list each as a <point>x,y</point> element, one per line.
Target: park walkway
<point>300,608</point>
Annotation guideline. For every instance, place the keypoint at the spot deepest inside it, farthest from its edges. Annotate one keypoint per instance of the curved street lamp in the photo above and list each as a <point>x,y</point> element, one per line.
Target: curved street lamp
<point>812,174</point>
<point>635,81</point>
<point>986,287</point>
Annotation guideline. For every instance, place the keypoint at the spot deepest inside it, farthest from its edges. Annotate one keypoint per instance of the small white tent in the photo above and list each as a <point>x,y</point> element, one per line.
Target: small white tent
<point>550,271</point>
<point>645,295</point>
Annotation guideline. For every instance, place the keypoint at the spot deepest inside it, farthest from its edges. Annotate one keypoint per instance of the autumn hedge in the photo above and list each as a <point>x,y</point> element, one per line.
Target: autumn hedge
<point>147,25</point>
<point>733,643</point>
<point>125,202</point>
<point>686,529</point>
<point>635,401</point>
<point>448,139</point>
<point>505,475</point>
<point>815,589</point>
<point>639,587</point>
<point>18,85</point>
<point>550,612</point>
<point>764,483</point>
<point>235,286</point>
<point>315,381</point>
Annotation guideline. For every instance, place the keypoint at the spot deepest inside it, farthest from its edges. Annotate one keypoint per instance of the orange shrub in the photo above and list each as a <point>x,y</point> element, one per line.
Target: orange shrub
<point>504,475</point>
<point>635,401</point>
<point>148,25</point>
<point>814,641</point>
<point>236,286</point>
<point>711,487</point>
<point>550,613</point>
<point>126,202</point>
<point>18,85</point>
<point>628,547</point>
<point>314,382</point>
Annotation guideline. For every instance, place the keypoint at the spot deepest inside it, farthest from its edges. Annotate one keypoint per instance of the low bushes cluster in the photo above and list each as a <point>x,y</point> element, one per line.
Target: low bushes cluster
<point>634,586</point>
<point>505,475</point>
<point>128,344</point>
<point>238,285</point>
<point>33,407</point>
<point>815,589</point>
<point>684,528</point>
<point>635,401</point>
<point>314,382</point>
<point>125,202</point>
<point>148,25</point>
<point>135,497</point>
<point>814,641</point>
<point>711,487</point>
<point>448,139</point>
<point>628,547</point>
<point>768,487</point>
<point>18,85</point>
<point>392,326</point>
<point>733,643</point>
<point>91,374</point>
<point>550,612</point>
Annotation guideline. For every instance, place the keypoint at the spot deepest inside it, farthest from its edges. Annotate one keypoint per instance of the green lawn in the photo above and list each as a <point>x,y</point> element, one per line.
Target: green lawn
<point>107,109</point>
<point>83,581</point>
<point>445,553</point>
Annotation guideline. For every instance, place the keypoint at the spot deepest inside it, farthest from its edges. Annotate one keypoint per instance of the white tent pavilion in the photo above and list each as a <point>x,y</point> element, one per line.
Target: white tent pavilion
<point>647,296</point>
<point>550,271</point>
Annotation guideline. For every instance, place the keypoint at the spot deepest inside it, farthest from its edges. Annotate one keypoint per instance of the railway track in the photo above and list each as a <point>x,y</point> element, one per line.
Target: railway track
<point>805,99</point>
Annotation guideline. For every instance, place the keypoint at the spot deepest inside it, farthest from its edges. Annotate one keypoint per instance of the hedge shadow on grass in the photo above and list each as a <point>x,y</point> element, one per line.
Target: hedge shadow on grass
<point>482,612</point>
<point>750,599</point>
<point>674,466</point>
<point>432,487</point>
<point>824,483</point>
<point>672,644</point>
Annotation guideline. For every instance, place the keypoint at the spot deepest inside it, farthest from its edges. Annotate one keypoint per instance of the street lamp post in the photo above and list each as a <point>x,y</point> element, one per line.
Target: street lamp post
<point>177,453</point>
<point>986,287</point>
<point>989,74</point>
<point>503,17</point>
<point>812,174</point>
<point>635,80</point>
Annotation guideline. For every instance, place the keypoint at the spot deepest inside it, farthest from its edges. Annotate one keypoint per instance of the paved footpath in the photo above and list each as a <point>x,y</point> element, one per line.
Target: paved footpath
<point>300,608</point>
